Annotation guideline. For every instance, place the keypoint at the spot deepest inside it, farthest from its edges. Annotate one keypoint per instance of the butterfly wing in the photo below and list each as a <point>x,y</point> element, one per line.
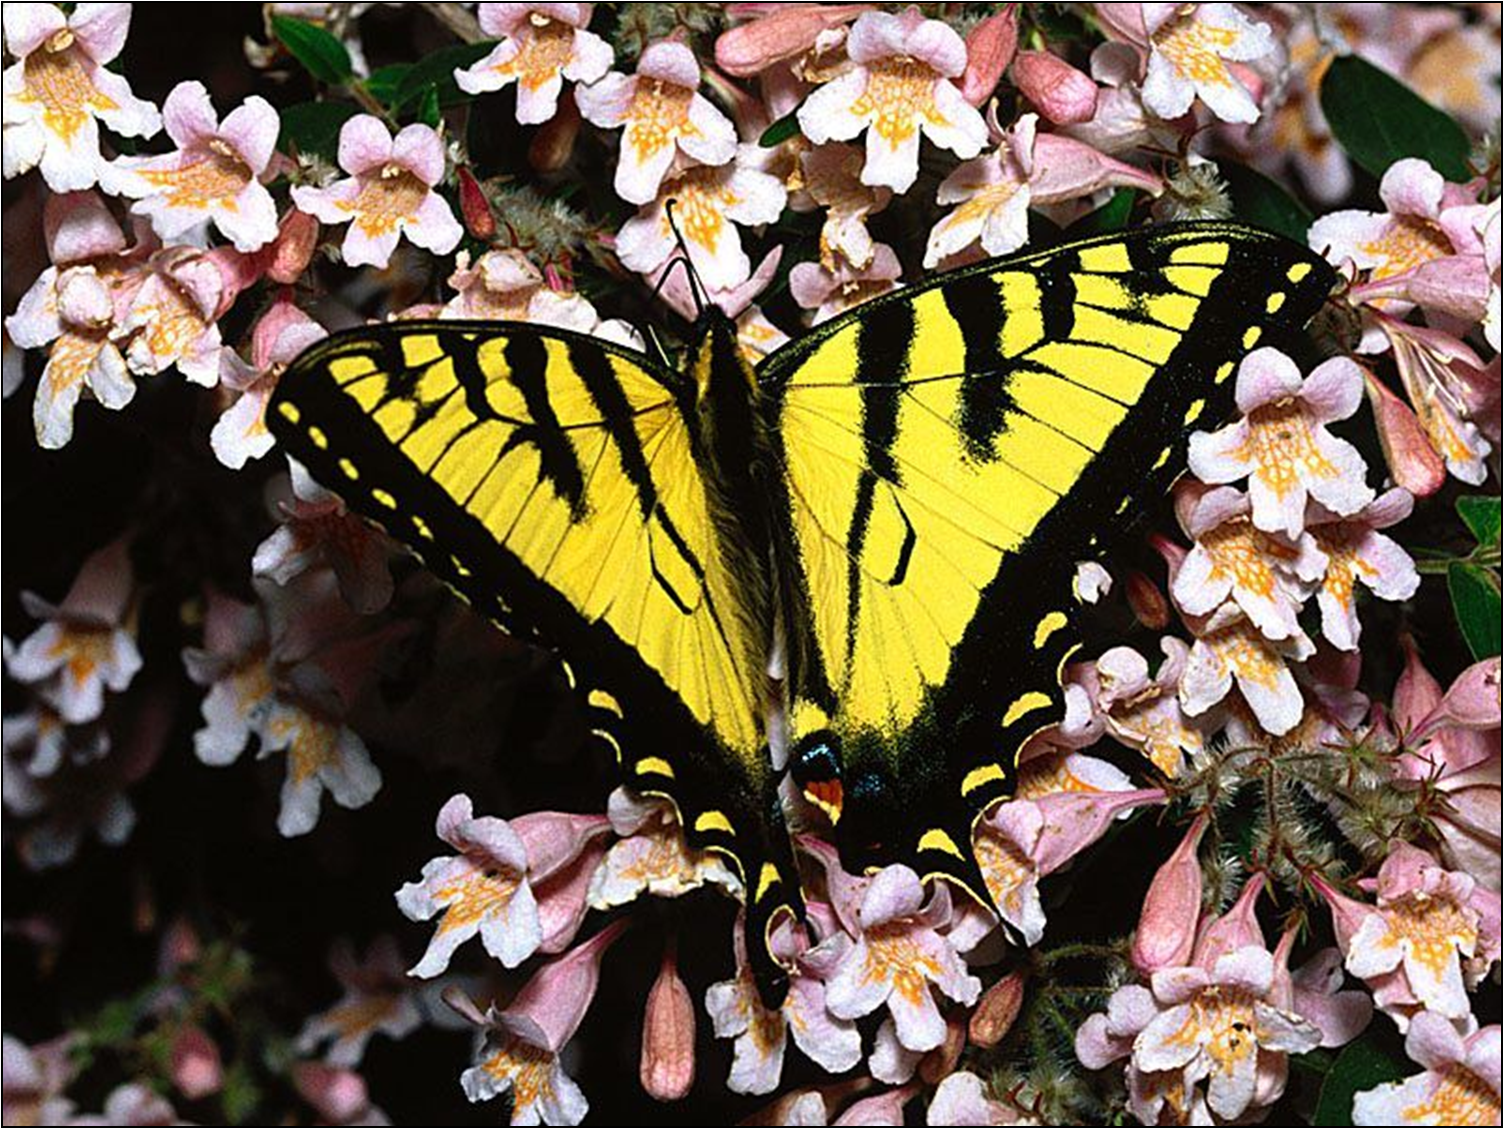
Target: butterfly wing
<point>554,481</point>
<point>948,452</point>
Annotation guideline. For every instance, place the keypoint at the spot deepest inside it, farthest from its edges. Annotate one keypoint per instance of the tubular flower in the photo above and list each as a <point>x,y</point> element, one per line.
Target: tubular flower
<point>541,46</point>
<point>1459,1085</point>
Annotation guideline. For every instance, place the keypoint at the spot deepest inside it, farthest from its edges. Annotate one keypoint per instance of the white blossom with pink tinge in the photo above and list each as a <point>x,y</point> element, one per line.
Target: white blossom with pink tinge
<point>388,194</point>
<point>35,1078</point>
<point>829,291</point>
<point>900,958</point>
<point>899,89</point>
<point>280,334</point>
<point>1230,651</point>
<point>541,46</point>
<point>488,889</point>
<point>505,285</point>
<point>173,316</point>
<point>1144,713</point>
<point>651,857</point>
<point>1281,444</point>
<point>59,89</point>
<point>1459,1085</point>
<point>1356,552</point>
<point>663,114</point>
<point>215,175</point>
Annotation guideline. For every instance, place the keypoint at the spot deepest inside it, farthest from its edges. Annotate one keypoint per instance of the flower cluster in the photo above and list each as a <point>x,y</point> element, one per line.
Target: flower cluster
<point>1254,745</point>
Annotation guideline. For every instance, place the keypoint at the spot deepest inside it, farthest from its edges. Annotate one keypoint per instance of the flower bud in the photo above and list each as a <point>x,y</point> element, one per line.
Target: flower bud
<point>292,250</point>
<point>1148,601</point>
<point>1412,460</point>
<point>668,1035</point>
<point>996,1011</point>
<point>1166,931</point>
<point>476,209</point>
<point>1060,92</point>
<point>989,50</point>
<point>196,1070</point>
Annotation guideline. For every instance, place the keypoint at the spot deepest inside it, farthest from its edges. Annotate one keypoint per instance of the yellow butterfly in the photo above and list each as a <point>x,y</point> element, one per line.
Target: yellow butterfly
<point>857,557</point>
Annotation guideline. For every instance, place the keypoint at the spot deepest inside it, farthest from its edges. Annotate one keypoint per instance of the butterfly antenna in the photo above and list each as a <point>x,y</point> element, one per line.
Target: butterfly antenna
<point>696,290</point>
<point>653,339</point>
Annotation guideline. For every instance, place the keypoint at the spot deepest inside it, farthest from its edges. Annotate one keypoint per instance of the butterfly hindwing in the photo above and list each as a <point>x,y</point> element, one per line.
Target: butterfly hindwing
<point>558,483</point>
<point>948,453</point>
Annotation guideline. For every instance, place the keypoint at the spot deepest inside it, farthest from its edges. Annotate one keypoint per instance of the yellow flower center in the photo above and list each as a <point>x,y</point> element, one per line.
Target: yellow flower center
<point>83,649</point>
<point>701,197</point>
<point>474,896</point>
<point>529,1069</point>
<point>1282,446</point>
<point>1247,654</point>
<point>1461,1098</point>
<point>658,116</point>
<point>1432,929</point>
<point>312,743</point>
<point>55,78</point>
<point>899,96</point>
<point>545,53</point>
<point>893,955</point>
<point>387,201</point>
<point>1195,50</point>
<point>1447,71</point>
<point>215,174</point>
<point>70,359</point>
<point>362,1014</point>
<point>1221,1021</point>
<point>1005,868</point>
<point>1407,242</point>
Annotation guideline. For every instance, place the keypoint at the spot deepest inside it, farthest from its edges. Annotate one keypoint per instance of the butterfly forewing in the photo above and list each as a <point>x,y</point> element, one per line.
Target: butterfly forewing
<point>949,452</point>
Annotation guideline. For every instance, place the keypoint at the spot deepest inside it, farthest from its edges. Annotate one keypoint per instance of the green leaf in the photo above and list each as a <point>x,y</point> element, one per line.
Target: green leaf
<point>436,72</point>
<point>384,82</point>
<point>1480,513</point>
<point>429,112</point>
<point>780,131</point>
<point>1476,602</point>
<point>313,127</point>
<point>240,1095</point>
<point>322,55</point>
<point>1263,203</point>
<point>1378,120</point>
<point>1111,216</point>
<point>1361,1065</point>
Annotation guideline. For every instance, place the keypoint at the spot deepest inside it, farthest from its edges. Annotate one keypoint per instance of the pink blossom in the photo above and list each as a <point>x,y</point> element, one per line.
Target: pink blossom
<point>1145,713</point>
<point>898,955</point>
<point>1026,170</point>
<point>85,645</point>
<point>541,45</point>
<point>760,1035</point>
<point>388,194</point>
<point>215,174</point>
<point>35,1078</point>
<point>524,1042</point>
<point>487,889</point>
<point>663,114</point>
<point>133,1103</point>
<point>173,316</point>
<point>961,1099</point>
<point>651,856</point>
<point>1062,94</point>
<point>778,32</point>
<point>197,1066</point>
<point>1459,1085</point>
<point>505,285</point>
<point>377,999</point>
<point>900,87</point>
<point>1189,47</point>
<point>990,47</point>
<point>831,177</point>
<point>339,1095</point>
<point>1281,444</point>
<point>1408,452</point>
<point>667,1066</point>
<point>1356,551</point>
<point>1229,650</point>
<point>279,335</point>
<point>1442,376</point>
<point>59,89</point>
<point>830,291</point>
<point>708,205</point>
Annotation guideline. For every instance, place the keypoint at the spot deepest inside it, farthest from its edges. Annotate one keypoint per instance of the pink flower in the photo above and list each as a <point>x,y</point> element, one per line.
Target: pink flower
<point>1282,446</point>
<point>708,205</point>
<point>541,45</point>
<point>1432,933</point>
<point>1062,94</point>
<point>1144,713</point>
<point>760,1035</point>
<point>86,644</point>
<point>1459,1085</point>
<point>1026,170</point>
<point>1489,231</point>
<point>134,1103</point>
<point>832,178</point>
<point>1408,452</point>
<point>488,888</point>
<point>831,290</point>
<point>1424,249</point>
<point>280,334</point>
<point>389,193</point>
<point>1356,551</point>
<point>663,114</point>
<point>1267,575</point>
<point>651,856</point>
<point>338,1095</point>
<point>900,87</point>
<point>1441,376</point>
<point>59,89</point>
<point>173,316</point>
<point>377,998</point>
<point>777,33</point>
<point>318,531</point>
<point>1229,650</point>
<point>1024,840</point>
<point>214,175</point>
<point>961,1099</point>
<point>504,285</point>
<point>74,306</point>
<point>197,1067</point>
<point>1189,47</point>
<point>524,1042</point>
<point>898,955</point>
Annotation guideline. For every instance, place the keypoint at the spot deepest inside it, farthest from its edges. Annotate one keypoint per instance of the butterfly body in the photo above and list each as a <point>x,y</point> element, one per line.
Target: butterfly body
<point>886,514</point>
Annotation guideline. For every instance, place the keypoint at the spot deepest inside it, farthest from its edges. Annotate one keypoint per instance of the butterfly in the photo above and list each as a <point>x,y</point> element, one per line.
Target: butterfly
<point>854,560</point>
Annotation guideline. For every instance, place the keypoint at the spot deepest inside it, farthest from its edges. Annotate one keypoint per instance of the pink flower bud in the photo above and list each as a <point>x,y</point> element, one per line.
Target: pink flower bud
<point>996,1011</point>
<point>1166,932</point>
<point>1236,929</point>
<point>339,1095</point>
<point>1150,605</point>
<point>1060,92</point>
<point>1348,914</point>
<point>180,945</point>
<point>474,207</point>
<point>196,1068</point>
<point>788,30</point>
<point>668,1035</point>
<point>1412,460</point>
<point>292,250</point>
<point>554,839</point>
<point>989,50</point>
